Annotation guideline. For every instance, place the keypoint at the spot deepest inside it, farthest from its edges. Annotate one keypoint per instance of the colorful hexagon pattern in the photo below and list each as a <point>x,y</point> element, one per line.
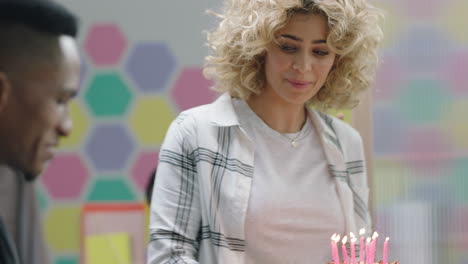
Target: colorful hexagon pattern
<point>62,228</point>
<point>192,89</point>
<point>151,119</point>
<point>105,44</point>
<point>145,165</point>
<point>80,127</point>
<point>109,147</point>
<point>108,95</point>
<point>65,176</point>
<point>151,65</point>
<point>389,80</point>
<point>105,190</point>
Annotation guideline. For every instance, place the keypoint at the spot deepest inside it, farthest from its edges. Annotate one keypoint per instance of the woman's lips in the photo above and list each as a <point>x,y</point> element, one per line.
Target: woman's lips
<point>299,84</point>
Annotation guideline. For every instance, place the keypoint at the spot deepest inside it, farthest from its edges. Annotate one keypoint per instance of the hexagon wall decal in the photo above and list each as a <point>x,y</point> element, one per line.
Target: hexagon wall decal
<point>62,228</point>
<point>423,100</point>
<point>108,95</point>
<point>192,89</point>
<point>110,190</point>
<point>150,66</point>
<point>143,168</point>
<point>424,50</point>
<point>151,119</point>
<point>105,44</point>
<point>65,177</point>
<point>80,126</point>
<point>109,147</point>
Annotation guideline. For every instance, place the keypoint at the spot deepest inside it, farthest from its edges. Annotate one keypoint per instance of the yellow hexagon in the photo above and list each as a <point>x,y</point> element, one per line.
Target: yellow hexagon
<point>455,125</point>
<point>454,20</point>
<point>62,229</point>
<point>390,178</point>
<point>151,119</point>
<point>80,127</point>
<point>393,22</point>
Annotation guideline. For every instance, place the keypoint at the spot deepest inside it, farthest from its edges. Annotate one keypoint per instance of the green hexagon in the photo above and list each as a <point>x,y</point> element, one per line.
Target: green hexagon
<point>67,260</point>
<point>459,178</point>
<point>108,95</point>
<point>110,190</point>
<point>423,100</point>
<point>151,119</point>
<point>42,198</point>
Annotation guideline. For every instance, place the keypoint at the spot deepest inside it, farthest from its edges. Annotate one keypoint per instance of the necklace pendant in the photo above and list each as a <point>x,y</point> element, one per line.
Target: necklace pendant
<point>293,143</point>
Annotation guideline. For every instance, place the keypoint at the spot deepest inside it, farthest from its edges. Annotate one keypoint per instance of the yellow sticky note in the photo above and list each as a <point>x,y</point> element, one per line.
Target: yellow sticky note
<point>113,248</point>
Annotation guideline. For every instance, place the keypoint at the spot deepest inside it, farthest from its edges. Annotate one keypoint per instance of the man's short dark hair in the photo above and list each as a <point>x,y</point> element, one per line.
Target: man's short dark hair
<point>41,15</point>
<point>29,30</point>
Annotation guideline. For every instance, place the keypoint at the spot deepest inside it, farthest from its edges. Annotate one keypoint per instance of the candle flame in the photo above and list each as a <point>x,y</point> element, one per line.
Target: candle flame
<point>362,231</point>
<point>337,238</point>
<point>351,235</point>
<point>353,240</point>
<point>368,240</point>
<point>386,239</point>
<point>333,237</point>
<point>375,235</point>
<point>345,239</point>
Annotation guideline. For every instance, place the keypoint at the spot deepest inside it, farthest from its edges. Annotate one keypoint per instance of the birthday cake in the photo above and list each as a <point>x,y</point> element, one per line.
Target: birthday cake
<point>366,250</point>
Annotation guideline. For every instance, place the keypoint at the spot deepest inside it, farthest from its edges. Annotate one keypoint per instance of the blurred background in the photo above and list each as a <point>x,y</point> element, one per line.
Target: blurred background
<point>142,66</point>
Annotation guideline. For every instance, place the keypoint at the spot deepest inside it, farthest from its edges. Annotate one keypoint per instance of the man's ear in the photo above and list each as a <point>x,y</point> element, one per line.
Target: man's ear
<point>5,90</point>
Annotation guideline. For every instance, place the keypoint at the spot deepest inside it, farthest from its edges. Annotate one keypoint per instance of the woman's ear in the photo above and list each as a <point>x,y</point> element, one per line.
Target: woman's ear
<point>5,90</point>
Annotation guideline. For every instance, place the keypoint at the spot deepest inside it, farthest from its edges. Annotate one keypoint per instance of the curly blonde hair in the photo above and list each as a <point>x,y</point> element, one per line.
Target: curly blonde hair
<point>247,27</point>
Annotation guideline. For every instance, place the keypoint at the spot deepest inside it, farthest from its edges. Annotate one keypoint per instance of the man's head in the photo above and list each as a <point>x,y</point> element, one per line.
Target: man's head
<point>39,74</point>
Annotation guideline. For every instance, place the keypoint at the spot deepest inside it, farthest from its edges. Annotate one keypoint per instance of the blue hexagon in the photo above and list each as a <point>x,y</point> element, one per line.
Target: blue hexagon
<point>389,127</point>
<point>424,50</point>
<point>109,147</point>
<point>151,65</point>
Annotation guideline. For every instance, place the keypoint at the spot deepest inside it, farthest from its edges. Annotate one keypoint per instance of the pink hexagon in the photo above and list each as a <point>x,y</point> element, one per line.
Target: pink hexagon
<point>105,44</point>
<point>192,89</point>
<point>428,151</point>
<point>65,177</point>
<point>144,166</point>
<point>458,229</point>
<point>456,73</point>
<point>389,76</point>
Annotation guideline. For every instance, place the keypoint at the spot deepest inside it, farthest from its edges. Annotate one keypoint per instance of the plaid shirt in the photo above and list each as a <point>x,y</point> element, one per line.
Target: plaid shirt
<point>204,178</point>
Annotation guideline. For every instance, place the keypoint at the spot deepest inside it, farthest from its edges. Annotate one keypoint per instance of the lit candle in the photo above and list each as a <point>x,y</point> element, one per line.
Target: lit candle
<point>385,251</point>
<point>334,249</point>
<point>343,250</point>
<point>368,249</point>
<point>362,231</point>
<point>353,248</point>
<point>373,246</point>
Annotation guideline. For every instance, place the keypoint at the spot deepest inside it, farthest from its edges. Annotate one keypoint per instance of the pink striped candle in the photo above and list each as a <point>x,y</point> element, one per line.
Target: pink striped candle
<point>361,245</point>
<point>353,249</point>
<point>343,250</point>
<point>385,251</point>
<point>334,248</point>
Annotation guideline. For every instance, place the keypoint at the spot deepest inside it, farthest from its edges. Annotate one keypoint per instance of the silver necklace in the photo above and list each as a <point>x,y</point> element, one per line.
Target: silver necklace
<point>293,141</point>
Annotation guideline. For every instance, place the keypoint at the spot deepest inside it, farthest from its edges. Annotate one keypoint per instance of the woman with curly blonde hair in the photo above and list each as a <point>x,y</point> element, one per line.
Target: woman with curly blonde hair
<point>261,175</point>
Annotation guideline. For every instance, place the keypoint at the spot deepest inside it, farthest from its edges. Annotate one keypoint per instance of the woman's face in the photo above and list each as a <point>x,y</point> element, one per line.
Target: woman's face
<point>297,63</point>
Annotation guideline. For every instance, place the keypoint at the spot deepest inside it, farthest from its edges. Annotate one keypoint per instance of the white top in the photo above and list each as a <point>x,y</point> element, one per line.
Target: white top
<point>294,207</point>
<point>204,182</point>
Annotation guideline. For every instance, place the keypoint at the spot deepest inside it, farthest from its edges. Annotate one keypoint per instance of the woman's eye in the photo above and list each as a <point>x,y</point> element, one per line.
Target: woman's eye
<point>321,52</point>
<point>287,48</point>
